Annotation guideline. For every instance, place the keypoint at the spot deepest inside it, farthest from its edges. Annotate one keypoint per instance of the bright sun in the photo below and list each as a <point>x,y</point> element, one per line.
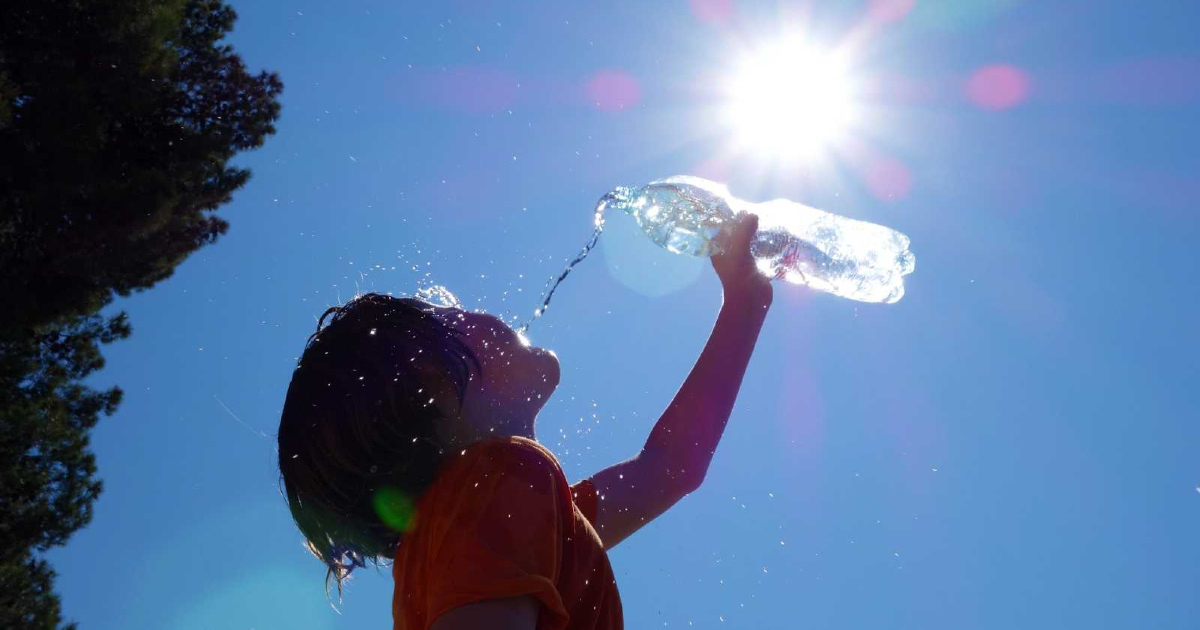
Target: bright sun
<point>790,100</point>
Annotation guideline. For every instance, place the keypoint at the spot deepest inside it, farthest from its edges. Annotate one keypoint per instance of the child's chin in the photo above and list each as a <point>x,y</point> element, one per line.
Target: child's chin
<point>549,369</point>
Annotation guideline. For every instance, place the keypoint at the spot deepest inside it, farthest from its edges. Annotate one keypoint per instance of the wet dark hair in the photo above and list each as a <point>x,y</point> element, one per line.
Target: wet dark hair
<point>357,439</point>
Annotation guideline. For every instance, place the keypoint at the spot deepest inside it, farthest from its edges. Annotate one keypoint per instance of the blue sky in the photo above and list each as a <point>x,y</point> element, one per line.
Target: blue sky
<point>1012,445</point>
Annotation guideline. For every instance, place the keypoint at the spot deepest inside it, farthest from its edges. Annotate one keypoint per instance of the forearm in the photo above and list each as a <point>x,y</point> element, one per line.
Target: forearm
<point>686,435</point>
<point>680,447</point>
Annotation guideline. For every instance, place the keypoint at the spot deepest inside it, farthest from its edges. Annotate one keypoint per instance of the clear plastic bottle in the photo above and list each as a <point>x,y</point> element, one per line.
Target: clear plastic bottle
<point>802,245</point>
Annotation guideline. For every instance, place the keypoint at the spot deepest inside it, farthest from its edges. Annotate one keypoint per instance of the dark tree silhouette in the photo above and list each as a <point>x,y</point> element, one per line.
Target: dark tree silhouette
<point>117,122</point>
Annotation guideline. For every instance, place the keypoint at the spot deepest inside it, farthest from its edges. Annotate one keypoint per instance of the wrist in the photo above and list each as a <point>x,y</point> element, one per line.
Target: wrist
<point>750,295</point>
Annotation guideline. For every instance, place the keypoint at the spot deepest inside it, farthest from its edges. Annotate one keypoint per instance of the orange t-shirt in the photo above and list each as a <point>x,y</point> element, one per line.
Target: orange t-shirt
<point>501,521</point>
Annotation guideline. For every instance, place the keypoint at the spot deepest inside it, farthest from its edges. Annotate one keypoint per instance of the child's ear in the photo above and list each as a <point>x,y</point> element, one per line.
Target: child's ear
<point>435,389</point>
<point>453,432</point>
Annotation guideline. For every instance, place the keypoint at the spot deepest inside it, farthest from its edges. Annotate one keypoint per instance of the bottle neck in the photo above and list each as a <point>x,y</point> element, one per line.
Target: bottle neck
<point>619,198</point>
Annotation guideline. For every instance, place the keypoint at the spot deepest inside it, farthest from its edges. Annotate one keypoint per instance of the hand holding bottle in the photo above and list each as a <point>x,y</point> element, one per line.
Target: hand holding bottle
<point>736,267</point>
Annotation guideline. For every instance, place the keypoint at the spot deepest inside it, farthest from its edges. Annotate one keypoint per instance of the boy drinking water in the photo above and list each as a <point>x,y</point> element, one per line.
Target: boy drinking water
<point>408,434</point>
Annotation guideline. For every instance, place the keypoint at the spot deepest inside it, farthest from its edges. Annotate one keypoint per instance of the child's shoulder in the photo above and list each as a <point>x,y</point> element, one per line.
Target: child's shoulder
<point>499,474</point>
<point>512,453</point>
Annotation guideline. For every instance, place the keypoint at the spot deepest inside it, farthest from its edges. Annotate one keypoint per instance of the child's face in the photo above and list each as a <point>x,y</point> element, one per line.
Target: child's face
<point>517,377</point>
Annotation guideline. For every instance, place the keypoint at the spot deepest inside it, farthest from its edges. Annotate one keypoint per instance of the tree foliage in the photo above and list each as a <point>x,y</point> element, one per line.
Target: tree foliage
<point>118,119</point>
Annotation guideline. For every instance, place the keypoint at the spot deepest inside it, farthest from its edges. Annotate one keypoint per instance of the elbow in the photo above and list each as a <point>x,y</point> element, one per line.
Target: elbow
<point>677,476</point>
<point>689,481</point>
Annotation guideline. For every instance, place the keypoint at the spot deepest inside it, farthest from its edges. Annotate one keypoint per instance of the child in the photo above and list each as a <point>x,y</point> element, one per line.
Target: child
<point>408,434</point>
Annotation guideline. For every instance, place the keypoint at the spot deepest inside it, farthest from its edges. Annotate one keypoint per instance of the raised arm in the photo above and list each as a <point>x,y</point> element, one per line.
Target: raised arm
<point>680,447</point>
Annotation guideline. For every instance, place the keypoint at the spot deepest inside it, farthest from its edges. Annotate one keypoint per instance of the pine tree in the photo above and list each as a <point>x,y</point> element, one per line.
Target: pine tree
<point>118,119</point>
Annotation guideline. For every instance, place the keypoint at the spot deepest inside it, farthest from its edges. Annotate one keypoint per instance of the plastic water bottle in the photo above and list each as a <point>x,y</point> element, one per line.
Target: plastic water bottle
<point>802,245</point>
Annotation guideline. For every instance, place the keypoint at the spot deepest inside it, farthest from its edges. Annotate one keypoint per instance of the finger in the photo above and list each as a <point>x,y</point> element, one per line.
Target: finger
<point>751,223</point>
<point>720,242</point>
<point>746,230</point>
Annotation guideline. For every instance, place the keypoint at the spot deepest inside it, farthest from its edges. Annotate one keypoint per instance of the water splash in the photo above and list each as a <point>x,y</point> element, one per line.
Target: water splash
<point>439,295</point>
<point>552,284</point>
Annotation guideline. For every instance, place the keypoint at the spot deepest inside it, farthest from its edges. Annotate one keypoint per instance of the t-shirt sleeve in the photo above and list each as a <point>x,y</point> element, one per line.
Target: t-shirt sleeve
<point>504,535</point>
<point>584,495</point>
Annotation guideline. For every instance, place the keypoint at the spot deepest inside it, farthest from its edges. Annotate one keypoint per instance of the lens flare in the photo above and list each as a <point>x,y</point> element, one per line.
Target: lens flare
<point>888,179</point>
<point>889,10</point>
<point>712,11</point>
<point>998,87</point>
<point>613,90</point>
<point>395,509</point>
